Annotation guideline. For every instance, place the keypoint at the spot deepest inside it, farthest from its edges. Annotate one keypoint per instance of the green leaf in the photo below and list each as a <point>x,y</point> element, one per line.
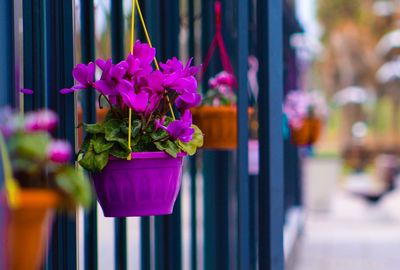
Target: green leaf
<point>100,144</point>
<point>136,127</point>
<point>118,152</point>
<point>169,147</point>
<point>191,147</point>
<point>93,128</point>
<point>159,134</point>
<point>114,132</point>
<point>75,185</point>
<point>93,161</point>
<point>86,143</point>
<point>31,146</point>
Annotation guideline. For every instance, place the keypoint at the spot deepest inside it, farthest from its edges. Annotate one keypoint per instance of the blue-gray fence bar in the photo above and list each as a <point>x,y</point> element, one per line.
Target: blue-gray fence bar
<point>118,54</point>
<point>243,136</point>
<point>88,103</point>
<point>271,218</point>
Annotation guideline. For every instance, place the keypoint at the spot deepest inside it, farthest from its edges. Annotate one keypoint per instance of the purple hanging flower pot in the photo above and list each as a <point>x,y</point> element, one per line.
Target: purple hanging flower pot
<point>147,185</point>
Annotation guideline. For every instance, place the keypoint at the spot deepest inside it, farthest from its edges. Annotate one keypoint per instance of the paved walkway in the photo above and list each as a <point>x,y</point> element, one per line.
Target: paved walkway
<point>352,236</point>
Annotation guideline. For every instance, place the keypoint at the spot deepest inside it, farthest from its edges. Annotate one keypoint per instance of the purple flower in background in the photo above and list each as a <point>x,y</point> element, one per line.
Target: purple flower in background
<point>44,120</point>
<point>59,151</point>
<point>27,91</point>
<point>84,75</point>
<point>180,129</point>
<point>9,122</point>
<point>188,100</point>
<point>137,102</point>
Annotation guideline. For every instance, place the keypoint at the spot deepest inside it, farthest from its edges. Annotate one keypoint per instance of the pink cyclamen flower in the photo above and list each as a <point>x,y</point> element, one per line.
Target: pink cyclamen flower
<point>84,75</point>
<point>59,151</point>
<point>43,120</point>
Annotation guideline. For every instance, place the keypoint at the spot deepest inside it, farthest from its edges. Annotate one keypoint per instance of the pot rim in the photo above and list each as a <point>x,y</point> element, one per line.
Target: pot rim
<point>150,155</point>
<point>36,198</point>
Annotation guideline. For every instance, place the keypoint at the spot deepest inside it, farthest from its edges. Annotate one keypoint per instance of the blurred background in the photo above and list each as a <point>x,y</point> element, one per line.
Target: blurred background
<point>350,181</point>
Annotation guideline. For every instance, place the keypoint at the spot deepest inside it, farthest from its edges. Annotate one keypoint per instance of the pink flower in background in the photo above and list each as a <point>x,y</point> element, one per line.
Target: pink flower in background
<point>44,120</point>
<point>223,78</point>
<point>59,151</point>
<point>300,105</point>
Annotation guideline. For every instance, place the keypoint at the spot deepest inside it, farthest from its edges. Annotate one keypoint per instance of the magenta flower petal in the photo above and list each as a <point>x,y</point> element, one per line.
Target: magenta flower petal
<point>80,73</point>
<point>137,102</point>
<point>59,151</point>
<point>141,101</point>
<point>104,87</point>
<point>144,52</point>
<point>124,86</point>
<point>178,129</point>
<point>182,129</point>
<point>72,89</point>
<point>26,91</point>
<point>188,100</point>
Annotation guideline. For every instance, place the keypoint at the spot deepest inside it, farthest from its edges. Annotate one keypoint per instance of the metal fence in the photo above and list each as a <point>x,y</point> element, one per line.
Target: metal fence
<point>243,214</point>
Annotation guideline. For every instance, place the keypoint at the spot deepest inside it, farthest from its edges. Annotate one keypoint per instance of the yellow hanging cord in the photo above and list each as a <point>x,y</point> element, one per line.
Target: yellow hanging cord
<point>135,3</point>
<point>11,185</point>
<point>130,110</point>
<point>151,46</point>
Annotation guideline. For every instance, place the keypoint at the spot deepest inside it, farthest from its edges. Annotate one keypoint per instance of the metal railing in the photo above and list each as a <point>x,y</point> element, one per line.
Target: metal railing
<point>243,215</point>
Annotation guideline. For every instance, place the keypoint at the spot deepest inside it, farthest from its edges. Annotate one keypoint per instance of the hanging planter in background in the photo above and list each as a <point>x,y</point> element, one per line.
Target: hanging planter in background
<point>28,228</point>
<point>38,180</point>
<point>308,133</point>
<point>217,117</point>
<point>135,154</point>
<point>305,112</point>
<point>219,124</point>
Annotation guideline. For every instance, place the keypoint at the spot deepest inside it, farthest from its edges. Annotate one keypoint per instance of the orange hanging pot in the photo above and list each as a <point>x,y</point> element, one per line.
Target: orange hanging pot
<point>308,133</point>
<point>219,125</point>
<point>27,228</point>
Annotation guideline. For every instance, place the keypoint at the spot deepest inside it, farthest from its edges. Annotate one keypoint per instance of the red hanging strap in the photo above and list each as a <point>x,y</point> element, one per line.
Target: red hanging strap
<point>218,41</point>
